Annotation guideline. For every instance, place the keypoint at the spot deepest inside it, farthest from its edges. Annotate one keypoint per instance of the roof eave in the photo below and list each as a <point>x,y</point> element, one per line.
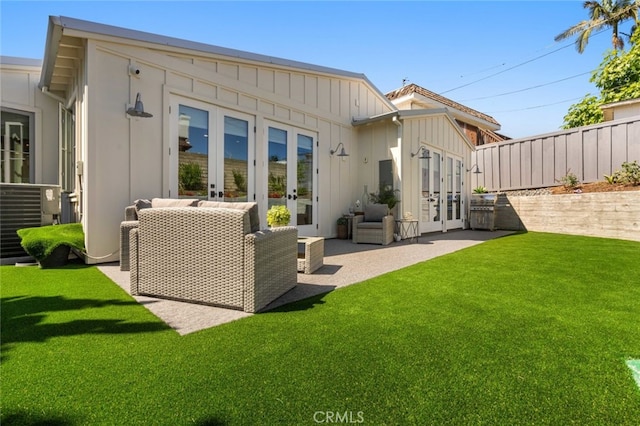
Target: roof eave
<point>54,35</point>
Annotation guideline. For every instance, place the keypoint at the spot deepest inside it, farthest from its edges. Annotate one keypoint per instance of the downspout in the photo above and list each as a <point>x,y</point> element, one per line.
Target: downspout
<point>396,120</point>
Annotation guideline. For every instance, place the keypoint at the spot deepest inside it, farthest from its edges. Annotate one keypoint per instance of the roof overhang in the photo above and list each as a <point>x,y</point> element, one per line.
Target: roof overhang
<point>62,56</point>
<point>403,114</point>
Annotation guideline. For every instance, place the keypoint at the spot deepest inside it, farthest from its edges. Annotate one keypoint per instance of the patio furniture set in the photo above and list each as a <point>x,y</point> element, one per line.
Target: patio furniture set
<point>216,253</point>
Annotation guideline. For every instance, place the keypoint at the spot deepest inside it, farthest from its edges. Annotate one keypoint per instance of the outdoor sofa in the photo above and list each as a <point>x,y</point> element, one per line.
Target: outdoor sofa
<point>209,255</point>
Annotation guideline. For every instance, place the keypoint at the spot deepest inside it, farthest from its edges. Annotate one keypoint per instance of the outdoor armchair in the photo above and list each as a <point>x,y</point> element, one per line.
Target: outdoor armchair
<point>375,226</point>
<point>210,256</point>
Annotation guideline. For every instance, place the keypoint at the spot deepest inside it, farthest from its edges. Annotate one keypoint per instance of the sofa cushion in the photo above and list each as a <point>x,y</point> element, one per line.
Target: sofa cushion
<point>375,212</point>
<point>174,202</point>
<point>252,208</point>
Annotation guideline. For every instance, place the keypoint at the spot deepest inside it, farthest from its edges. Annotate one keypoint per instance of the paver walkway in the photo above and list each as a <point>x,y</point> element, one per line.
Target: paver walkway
<point>345,263</point>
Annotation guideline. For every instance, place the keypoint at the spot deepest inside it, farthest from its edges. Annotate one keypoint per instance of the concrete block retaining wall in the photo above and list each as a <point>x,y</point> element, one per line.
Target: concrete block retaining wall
<point>600,214</point>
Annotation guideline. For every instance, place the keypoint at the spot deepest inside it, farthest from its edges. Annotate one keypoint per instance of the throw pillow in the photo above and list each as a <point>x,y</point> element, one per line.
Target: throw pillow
<point>252,208</point>
<point>375,212</point>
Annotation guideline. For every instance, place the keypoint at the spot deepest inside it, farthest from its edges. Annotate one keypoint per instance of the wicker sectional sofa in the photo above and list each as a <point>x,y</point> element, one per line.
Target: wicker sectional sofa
<point>211,255</point>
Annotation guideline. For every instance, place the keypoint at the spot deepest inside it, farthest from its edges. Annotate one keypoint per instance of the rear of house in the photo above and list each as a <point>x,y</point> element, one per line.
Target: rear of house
<point>222,124</point>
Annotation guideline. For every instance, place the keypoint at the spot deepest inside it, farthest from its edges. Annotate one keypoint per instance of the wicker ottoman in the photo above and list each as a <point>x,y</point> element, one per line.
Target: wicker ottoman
<point>310,254</point>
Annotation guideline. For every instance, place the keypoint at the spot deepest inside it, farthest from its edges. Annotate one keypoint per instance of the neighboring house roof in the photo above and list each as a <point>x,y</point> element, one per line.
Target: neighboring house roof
<point>21,62</point>
<point>608,109</point>
<point>429,98</point>
<point>58,25</point>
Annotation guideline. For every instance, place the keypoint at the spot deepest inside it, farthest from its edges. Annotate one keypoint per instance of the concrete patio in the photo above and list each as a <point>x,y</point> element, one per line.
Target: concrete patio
<point>345,263</point>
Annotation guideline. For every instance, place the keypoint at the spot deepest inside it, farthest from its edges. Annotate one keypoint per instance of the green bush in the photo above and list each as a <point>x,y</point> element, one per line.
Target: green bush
<point>570,180</point>
<point>629,175</point>
<point>190,176</point>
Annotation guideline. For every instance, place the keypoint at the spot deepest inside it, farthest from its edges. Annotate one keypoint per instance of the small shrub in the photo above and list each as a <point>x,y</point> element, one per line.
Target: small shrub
<point>629,175</point>
<point>570,180</point>
<point>278,216</point>
<point>386,195</point>
<point>190,176</point>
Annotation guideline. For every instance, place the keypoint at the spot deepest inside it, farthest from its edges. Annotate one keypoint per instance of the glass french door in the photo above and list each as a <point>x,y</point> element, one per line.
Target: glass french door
<point>212,151</point>
<point>431,190</point>
<point>454,192</point>
<point>290,174</point>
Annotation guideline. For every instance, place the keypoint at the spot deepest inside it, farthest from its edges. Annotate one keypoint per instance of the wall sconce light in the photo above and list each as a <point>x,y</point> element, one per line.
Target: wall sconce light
<point>342,153</point>
<point>424,153</point>
<point>138,109</point>
<point>477,171</point>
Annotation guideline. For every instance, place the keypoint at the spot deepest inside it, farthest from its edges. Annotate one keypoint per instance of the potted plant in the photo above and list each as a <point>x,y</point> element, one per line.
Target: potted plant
<point>342,228</point>
<point>385,195</point>
<point>50,245</point>
<point>278,216</point>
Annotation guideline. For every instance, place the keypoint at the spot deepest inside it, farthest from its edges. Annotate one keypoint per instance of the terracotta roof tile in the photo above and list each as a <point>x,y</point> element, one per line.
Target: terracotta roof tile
<point>414,88</point>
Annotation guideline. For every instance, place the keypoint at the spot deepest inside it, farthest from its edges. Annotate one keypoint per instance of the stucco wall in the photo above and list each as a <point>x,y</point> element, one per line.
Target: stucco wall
<point>606,214</point>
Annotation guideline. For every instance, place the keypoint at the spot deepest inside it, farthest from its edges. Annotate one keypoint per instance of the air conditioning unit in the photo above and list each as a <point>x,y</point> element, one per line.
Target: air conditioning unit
<point>24,205</point>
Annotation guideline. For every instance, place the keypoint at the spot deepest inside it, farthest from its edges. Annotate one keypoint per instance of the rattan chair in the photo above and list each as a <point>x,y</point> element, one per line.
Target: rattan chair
<point>209,256</point>
<point>375,226</point>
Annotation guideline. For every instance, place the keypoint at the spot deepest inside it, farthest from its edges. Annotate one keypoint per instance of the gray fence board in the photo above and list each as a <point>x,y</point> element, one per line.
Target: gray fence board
<point>590,152</point>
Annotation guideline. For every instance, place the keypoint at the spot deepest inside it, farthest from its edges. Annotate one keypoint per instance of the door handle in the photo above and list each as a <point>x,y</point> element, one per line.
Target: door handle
<point>212,194</point>
<point>220,194</point>
<point>295,197</point>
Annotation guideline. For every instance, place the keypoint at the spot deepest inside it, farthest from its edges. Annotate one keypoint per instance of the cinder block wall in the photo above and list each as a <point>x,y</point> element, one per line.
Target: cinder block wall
<point>603,214</point>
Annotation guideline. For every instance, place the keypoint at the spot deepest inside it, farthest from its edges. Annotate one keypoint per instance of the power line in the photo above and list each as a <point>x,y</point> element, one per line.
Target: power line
<point>527,88</point>
<point>536,106</point>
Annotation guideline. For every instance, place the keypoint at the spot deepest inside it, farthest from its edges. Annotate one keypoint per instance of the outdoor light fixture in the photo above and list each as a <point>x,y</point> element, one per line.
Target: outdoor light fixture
<point>342,153</point>
<point>138,109</point>
<point>424,153</point>
<point>477,171</point>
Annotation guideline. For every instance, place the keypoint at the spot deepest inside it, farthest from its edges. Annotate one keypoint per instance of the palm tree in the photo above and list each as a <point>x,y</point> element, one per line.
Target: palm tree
<point>605,14</point>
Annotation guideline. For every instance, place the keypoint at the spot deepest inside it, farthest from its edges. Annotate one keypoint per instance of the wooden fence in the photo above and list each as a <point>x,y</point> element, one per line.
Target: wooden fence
<point>589,152</point>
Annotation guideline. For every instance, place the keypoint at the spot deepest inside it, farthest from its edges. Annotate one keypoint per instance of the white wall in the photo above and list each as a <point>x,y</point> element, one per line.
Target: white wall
<point>127,158</point>
<point>19,91</point>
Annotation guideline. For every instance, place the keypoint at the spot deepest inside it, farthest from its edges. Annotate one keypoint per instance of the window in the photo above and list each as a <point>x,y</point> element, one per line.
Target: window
<point>15,159</point>
<point>385,169</point>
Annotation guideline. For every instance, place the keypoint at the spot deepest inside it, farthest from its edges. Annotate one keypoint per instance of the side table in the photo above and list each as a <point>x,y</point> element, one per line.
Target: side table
<point>408,229</point>
<point>310,254</point>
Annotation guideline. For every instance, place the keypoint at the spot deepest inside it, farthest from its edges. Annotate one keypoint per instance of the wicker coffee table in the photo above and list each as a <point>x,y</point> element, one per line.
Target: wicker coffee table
<point>310,254</point>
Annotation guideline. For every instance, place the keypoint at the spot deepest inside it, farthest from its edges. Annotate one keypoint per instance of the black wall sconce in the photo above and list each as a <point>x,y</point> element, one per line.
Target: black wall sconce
<point>342,152</point>
<point>424,153</point>
<point>477,170</point>
<point>138,109</point>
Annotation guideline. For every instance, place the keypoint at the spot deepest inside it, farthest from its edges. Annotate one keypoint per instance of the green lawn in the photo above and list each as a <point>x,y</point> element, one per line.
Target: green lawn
<point>527,329</point>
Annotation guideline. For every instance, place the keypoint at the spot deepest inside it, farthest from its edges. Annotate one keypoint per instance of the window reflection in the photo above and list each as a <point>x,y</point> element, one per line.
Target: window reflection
<point>193,156</point>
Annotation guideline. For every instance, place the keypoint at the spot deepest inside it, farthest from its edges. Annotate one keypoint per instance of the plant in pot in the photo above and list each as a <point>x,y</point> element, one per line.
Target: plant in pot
<point>342,229</point>
<point>278,216</point>
<point>50,245</point>
<point>385,195</point>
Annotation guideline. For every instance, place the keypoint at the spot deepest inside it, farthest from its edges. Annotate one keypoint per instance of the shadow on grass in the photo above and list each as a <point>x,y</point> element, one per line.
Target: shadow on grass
<point>30,419</point>
<point>24,320</point>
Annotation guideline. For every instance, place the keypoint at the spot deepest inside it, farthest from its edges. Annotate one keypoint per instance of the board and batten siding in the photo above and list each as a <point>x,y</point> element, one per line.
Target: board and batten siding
<point>589,152</point>
<point>139,147</point>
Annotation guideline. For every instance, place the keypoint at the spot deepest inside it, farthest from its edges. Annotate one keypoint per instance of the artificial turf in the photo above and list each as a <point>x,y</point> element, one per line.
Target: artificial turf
<point>527,329</point>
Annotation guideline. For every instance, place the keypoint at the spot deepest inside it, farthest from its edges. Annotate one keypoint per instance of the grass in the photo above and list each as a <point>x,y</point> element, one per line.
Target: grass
<point>39,242</point>
<point>528,329</point>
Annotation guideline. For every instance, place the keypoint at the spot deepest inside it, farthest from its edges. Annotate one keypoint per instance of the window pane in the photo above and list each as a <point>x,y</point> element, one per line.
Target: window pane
<point>277,186</point>
<point>236,159</point>
<point>305,180</point>
<point>14,162</point>
<point>193,156</point>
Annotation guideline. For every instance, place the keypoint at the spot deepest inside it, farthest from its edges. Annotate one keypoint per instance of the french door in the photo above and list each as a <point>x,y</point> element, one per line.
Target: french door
<point>454,192</point>
<point>441,192</point>
<point>291,174</point>
<point>212,152</point>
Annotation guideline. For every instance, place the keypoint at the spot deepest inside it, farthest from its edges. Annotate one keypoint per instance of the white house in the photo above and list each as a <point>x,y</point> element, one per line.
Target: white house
<point>222,124</point>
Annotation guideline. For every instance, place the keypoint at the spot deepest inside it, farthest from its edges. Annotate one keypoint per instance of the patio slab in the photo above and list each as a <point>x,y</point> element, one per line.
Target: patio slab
<point>345,263</point>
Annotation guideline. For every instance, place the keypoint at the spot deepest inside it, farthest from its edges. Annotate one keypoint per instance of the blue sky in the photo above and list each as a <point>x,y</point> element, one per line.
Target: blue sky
<point>476,53</point>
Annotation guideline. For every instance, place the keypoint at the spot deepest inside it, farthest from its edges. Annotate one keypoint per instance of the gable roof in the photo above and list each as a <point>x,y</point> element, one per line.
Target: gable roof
<point>439,101</point>
<point>59,26</point>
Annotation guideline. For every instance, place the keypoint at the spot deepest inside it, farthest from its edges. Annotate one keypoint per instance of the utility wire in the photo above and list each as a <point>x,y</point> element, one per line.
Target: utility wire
<point>527,88</point>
